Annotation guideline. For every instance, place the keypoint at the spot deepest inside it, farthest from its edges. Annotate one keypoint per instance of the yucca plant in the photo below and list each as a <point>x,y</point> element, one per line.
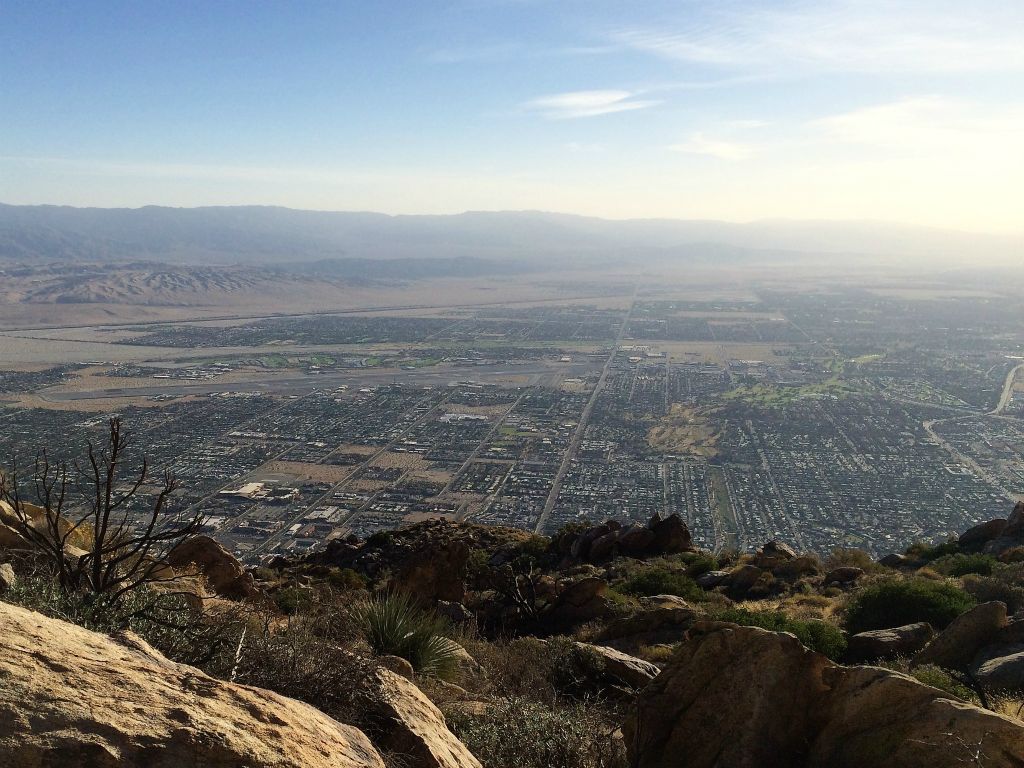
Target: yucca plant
<point>394,625</point>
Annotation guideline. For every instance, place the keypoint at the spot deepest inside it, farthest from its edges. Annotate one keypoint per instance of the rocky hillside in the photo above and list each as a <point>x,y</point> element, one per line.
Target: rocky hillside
<point>453,645</point>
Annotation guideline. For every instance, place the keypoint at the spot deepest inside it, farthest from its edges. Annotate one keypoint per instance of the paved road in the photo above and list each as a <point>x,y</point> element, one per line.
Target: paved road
<point>577,438</point>
<point>1007,395</point>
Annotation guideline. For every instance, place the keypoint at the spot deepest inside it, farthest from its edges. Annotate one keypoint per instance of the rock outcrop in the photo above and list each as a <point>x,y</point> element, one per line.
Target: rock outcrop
<point>77,699</point>
<point>1011,534</point>
<point>661,536</point>
<point>956,645</point>
<point>889,643</point>
<point>225,576</point>
<point>415,729</point>
<point>747,698</point>
<point>623,669</point>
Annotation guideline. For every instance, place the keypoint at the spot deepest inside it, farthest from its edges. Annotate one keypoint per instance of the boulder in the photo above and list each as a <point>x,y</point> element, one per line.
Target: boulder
<point>650,621</point>
<point>663,601</point>
<point>8,579</point>
<point>744,578</point>
<point>956,645</point>
<point>624,669</point>
<point>889,643</point>
<point>1011,535</point>
<point>1002,672</point>
<point>894,560</point>
<point>772,554</point>
<point>636,540</point>
<point>603,547</point>
<point>225,576</point>
<point>415,729</point>
<point>398,665</point>
<point>456,613</point>
<point>793,568</point>
<point>846,574</point>
<point>670,535</point>
<point>712,579</point>
<point>977,537</point>
<point>77,699</point>
<point>744,697</point>
<point>467,669</point>
<point>579,601</point>
<point>436,573</point>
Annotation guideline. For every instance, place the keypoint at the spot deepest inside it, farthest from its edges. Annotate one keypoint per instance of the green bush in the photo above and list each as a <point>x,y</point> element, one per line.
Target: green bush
<point>521,733</point>
<point>662,581</point>
<point>700,564</point>
<point>394,625</point>
<point>962,564</point>
<point>345,579</point>
<point>895,602</point>
<point>928,552</point>
<point>984,589</point>
<point>817,635</point>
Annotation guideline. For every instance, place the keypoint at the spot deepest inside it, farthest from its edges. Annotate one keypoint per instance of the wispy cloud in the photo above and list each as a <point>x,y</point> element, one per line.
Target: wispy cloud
<point>931,125</point>
<point>846,36</point>
<point>575,104</point>
<point>699,144</point>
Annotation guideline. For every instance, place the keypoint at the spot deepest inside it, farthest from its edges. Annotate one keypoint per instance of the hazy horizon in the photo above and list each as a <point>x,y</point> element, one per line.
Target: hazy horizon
<point>905,112</point>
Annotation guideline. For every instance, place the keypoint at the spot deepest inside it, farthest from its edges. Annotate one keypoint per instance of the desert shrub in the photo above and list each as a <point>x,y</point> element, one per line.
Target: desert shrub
<point>700,564</point>
<point>817,635</point>
<point>986,588</point>
<point>658,580</point>
<point>346,579</point>
<point>394,625</point>
<point>292,599</point>
<point>1012,555</point>
<point>521,733</point>
<point>895,602</point>
<point>936,677</point>
<point>845,557</point>
<point>311,658</point>
<point>535,548</point>
<point>545,671</point>
<point>962,564</point>
<point>919,550</point>
<point>380,539</point>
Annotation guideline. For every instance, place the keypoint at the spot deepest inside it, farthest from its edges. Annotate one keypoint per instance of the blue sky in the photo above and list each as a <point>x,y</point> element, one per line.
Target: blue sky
<point>908,111</point>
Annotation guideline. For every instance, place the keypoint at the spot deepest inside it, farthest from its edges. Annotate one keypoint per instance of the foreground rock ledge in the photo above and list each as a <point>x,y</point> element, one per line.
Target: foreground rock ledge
<point>748,698</point>
<point>77,699</point>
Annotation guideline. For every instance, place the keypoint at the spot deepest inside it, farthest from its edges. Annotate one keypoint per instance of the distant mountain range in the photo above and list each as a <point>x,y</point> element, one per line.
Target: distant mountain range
<point>283,236</point>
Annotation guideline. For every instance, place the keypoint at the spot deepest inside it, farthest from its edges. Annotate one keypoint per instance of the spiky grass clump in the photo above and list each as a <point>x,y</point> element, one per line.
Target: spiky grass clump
<point>395,626</point>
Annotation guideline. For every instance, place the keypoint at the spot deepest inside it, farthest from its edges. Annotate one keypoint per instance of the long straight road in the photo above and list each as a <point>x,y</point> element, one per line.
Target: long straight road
<point>581,428</point>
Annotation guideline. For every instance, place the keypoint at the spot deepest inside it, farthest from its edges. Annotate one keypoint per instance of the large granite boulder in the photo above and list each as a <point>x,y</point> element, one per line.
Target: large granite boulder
<point>956,645</point>
<point>625,670</point>
<point>77,699</point>
<point>435,573</point>
<point>976,538</point>
<point>1011,535</point>
<point>415,729</point>
<point>744,697</point>
<point>889,643</point>
<point>225,576</point>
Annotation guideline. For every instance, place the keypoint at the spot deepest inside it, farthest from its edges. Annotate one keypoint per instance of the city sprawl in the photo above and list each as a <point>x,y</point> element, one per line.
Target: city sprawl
<point>839,416</point>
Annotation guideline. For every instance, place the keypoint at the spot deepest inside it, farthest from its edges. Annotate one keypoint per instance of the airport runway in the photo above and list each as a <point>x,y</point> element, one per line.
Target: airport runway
<point>302,383</point>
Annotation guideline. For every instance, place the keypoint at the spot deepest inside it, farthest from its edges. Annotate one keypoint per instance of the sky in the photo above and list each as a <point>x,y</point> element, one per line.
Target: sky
<point>736,110</point>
